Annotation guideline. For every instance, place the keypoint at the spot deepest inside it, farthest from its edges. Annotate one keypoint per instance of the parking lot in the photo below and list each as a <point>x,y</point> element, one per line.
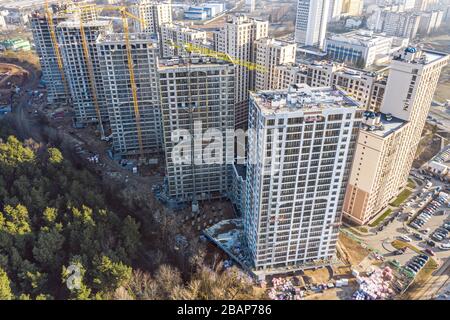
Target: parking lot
<point>381,240</point>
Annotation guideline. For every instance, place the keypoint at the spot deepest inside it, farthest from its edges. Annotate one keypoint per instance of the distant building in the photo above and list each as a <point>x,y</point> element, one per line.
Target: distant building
<point>430,21</point>
<point>361,48</point>
<point>311,22</point>
<point>271,53</point>
<point>204,11</point>
<point>174,37</point>
<point>154,13</point>
<point>352,7</point>
<point>400,24</point>
<point>335,11</point>
<point>237,39</point>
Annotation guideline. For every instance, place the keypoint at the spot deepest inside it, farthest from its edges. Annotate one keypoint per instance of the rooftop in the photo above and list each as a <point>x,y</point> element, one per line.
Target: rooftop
<point>443,157</point>
<point>276,42</point>
<point>76,23</point>
<point>381,124</point>
<point>199,61</point>
<point>418,56</point>
<point>120,38</point>
<point>363,38</point>
<point>302,97</point>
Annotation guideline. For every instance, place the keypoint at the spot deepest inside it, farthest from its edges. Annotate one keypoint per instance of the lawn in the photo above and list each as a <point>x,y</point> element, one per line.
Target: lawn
<point>401,197</point>
<point>411,183</point>
<point>381,218</point>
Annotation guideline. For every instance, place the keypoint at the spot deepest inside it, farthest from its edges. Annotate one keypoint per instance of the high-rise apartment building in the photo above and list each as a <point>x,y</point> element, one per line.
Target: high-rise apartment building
<point>197,95</point>
<point>271,53</point>
<point>51,74</point>
<point>154,13</point>
<point>301,144</point>
<point>174,37</point>
<point>335,11</point>
<point>126,124</point>
<point>311,22</point>
<point>237,39</point>
<point>83,72</point>
<point>400,24</point>
<point>388,143</point>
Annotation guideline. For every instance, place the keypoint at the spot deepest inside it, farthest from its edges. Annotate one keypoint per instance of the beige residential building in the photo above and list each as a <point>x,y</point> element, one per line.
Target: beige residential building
<point>237,39</point>
<point>373,178</point>
<point>388,143</point>
<point>271,53</point>
<point>175,36</point>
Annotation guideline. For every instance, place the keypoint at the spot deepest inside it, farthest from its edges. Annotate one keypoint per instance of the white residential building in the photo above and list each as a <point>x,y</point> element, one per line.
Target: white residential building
<point>335,11</point>
<point>269,54</point>
<point>237,39</point>
<point>125,122</point>
<point>174,37</point>
<point>400,24</point>
<point>301,144</point>
<point>154,13</point>
<point>311,22</point>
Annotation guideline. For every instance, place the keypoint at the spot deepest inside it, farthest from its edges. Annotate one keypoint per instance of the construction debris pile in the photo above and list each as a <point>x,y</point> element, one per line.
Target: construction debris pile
<point>378,286</point>
<point>284,290</point>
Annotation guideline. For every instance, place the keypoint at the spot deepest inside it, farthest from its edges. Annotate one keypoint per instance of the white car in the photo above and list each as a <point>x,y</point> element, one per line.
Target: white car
<point>444,246</point>
<point>405,238</point>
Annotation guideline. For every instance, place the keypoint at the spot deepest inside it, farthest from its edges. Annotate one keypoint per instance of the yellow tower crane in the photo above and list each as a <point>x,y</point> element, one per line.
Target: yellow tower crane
<point>51,27</point>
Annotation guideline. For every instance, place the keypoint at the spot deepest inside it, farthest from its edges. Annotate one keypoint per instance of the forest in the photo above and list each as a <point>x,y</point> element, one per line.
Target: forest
<point>66,234</point>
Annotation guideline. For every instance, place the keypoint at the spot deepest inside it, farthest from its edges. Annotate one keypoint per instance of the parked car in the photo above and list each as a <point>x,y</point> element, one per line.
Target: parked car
<point>418,236</point>
<point>444,246</point>
<point>424,256</point>
<point>405,238</point>
<point>430,252</point>
<point>425,231</point>
<point>431,243</point>
<point>437,237</point>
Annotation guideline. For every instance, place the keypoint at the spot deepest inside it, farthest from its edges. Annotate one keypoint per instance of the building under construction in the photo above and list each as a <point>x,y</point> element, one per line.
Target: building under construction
<point>82,67</point>
<point>52,73</point>
<point>197,94</point>
<point>130,126</point>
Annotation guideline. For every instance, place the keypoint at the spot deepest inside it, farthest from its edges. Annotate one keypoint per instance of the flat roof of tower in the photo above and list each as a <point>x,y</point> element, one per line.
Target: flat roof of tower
<point>385,127</point>
<point>302,97</point>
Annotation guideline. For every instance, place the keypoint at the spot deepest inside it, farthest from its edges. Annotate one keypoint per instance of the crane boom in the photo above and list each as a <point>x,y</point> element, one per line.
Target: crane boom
<point>91,77</point>
<point>132,80</point>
